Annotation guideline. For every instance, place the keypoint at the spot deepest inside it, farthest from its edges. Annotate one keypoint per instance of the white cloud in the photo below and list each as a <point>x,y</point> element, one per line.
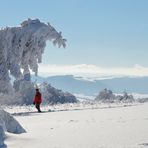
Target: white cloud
<point>85,70</point>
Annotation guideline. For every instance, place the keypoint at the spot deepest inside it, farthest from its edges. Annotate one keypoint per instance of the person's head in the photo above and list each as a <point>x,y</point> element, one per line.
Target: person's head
<point>37,90</point>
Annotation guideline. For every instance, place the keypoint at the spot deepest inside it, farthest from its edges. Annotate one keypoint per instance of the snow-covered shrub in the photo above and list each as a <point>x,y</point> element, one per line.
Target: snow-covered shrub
<point>125,98</point>
<point>52,95</point>
<point>105,96</point>
<point>8,99</point>
<point>24,92</point>
<point>10,124</point>
<point>108,96</point>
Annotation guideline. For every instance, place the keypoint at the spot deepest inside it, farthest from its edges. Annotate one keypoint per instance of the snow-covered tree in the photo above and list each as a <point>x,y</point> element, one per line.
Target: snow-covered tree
<point>21,50</point>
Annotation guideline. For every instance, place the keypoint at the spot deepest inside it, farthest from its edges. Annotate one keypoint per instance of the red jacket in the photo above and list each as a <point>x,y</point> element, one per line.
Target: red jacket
<point>38,98</point>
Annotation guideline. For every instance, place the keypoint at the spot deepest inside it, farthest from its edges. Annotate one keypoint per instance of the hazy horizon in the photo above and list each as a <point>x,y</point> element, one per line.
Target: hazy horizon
<point>103,37</point>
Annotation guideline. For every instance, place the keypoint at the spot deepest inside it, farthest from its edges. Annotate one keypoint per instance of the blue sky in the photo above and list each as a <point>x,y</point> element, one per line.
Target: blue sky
<point>105,33</point>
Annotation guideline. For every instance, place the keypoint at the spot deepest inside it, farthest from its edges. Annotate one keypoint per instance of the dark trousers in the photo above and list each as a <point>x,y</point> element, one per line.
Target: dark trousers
<point>37,105</point>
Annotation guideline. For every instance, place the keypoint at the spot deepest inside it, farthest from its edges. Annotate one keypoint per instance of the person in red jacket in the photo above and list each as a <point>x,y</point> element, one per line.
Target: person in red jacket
<point>37,100</point>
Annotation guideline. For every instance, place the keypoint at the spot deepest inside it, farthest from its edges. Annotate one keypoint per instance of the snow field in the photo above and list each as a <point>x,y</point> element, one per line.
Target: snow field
<point>120,127</point>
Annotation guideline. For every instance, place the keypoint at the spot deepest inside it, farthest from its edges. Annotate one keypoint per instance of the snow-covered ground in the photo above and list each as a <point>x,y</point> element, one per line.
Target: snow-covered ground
<point>116,126</point>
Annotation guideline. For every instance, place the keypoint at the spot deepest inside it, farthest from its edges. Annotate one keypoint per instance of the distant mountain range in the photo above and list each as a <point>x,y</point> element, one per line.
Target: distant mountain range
<point>78,85</point>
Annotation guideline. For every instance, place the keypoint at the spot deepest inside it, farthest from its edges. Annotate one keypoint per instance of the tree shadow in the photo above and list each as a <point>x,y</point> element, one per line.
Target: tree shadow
<point>33,113</point>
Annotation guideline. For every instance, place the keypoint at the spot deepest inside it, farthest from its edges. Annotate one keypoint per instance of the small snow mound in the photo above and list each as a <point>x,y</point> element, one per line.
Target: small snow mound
<point>10,123</point>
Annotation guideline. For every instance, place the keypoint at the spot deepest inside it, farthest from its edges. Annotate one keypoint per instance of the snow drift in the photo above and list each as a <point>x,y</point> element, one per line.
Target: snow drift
<point>10,124</point>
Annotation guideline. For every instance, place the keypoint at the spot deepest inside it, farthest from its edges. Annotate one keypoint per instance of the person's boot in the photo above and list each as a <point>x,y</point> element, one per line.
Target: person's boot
<point>39,109</point>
